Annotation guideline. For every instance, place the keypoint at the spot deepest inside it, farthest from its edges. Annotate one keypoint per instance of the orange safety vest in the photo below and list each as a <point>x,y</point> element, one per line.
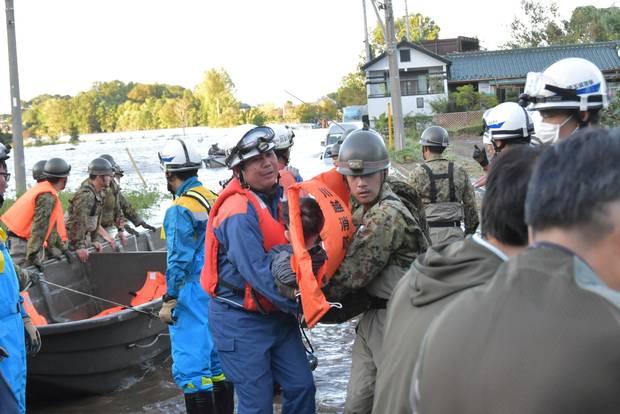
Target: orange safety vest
<point>337,231</point>
<point>337,183</point>
<point>271,230</point>
<point>19,217</point>
<point>36,318</point>
<point>287,179</point>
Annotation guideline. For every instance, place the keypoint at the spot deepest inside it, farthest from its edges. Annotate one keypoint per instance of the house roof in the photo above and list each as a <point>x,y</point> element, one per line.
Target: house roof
<point>516,63</point>
<point>404,43</point>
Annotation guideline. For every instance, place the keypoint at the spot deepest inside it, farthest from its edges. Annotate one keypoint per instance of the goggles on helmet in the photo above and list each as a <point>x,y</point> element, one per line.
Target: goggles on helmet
<point>258,138</point>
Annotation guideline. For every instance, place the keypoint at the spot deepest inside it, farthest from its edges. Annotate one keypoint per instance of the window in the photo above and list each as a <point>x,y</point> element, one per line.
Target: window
<point>405,55</point>
<point>420,103</point>
<point>377,84</point>
<point>413,83</point>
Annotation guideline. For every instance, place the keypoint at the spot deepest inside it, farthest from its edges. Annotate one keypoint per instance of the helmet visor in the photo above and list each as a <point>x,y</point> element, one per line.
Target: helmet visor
<point>260,138</point>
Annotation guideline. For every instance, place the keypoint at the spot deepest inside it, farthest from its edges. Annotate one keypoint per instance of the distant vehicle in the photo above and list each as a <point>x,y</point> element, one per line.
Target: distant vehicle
<point>336,130</point>
<point>354,113</point>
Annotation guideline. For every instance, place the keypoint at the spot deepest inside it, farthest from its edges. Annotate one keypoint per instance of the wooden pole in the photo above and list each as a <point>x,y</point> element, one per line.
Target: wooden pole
<point>135,166</point>
<point>389,114</point>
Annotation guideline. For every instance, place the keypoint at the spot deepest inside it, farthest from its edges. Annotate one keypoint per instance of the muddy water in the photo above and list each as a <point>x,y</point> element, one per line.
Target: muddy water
<point>155,392</point>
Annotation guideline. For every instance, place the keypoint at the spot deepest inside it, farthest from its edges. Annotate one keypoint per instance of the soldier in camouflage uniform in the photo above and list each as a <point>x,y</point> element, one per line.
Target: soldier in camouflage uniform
<point>33,221</point>
<point>446,192</point>
<point>116,209</point>
<point>85,209</point>
<point>387,240</point>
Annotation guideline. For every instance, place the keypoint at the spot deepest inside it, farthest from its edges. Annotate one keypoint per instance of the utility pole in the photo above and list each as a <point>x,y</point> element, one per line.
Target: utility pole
<point>397,109</point>
<point>16,109</point>
<point>407,23</point>
<point>366,42</point>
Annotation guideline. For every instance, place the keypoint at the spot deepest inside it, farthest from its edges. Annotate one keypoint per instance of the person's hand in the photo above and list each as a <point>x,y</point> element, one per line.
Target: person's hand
<point>147,226</point>
<point>33,337</point>
<point>318,256</point>
<point>34,277</point>
<point>99,247</point>
<point>292,170</point>
<point>110,241</point>
<point>480,182</point>
<point>283,275</point>
<point>131,230</point>
<point>480,155</point>
<point>165,313</point>
<point>82,254</point>
<point>123,237</point>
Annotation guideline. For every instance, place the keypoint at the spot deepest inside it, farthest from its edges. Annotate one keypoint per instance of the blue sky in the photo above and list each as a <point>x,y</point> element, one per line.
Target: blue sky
<point>267,46</point>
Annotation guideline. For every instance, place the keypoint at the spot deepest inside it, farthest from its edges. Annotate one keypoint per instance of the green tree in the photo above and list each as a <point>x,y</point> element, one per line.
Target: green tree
<point>307,112</point>
<point>55,117</point>
<point>84,112</point>
<point>420,28</point>
<point>589,24</point>
<point>539,25</point>
<point>219,108</point>
<point>352,90</point>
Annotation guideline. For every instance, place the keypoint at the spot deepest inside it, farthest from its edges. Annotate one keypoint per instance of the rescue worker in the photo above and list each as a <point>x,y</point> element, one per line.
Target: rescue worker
<point>283,141</point>
<point>116,209</point>
<point>387,240</point>
<point>84,211</point>
<point>541,338</point>
<point>36,220</point>
<point>569,95</point>
<point>37,171</point>
<point>196,367</point>
<point>439,276</point>
<point>17,333</point>
<point>254,328</point>
<point>446,192</point>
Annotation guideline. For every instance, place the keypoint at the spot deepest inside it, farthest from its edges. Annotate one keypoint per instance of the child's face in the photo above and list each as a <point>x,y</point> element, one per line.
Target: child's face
<point>309,241</point>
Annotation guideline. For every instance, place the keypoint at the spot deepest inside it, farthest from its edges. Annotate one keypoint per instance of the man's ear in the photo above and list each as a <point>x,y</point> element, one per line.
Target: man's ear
<point>287,235</point>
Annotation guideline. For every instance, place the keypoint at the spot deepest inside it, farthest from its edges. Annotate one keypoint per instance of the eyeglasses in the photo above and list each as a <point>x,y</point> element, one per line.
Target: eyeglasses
<point>6,175</point>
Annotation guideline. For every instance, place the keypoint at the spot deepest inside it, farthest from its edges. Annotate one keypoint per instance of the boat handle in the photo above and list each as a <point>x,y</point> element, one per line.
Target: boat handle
<point>150,344</point>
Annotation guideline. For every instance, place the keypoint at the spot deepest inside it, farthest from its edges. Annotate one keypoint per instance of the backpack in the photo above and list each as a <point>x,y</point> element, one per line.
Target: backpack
<point>411,199</point>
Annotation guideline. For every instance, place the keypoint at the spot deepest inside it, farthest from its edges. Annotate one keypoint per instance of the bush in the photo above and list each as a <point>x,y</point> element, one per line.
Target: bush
<point>473,129</point>
<point>610,116</point>
<point>465,99</point>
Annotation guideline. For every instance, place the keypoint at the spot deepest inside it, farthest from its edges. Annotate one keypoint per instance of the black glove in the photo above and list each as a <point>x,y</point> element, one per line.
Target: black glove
<point>34,277</point>
<point>480,155</point>
<point>319,256</point>
<point>283,274</point>
<point>131,230</point>
<point>147,226</point>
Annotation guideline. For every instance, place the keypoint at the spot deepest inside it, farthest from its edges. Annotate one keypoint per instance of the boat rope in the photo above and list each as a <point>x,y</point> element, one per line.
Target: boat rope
<point>150,344</point>
<point>149,314</point>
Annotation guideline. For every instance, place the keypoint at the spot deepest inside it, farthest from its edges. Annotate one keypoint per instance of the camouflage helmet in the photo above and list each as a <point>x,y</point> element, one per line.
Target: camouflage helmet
<point>37,170</point>
<point>117,168</point>
<point>362,152</point>
<point>435,136</point>
<point>56,167</point>
<point>100,166</point>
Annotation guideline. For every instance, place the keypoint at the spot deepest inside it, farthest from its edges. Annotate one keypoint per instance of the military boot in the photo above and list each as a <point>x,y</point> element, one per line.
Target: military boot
<point>224,392</point>
<point>202,402</point>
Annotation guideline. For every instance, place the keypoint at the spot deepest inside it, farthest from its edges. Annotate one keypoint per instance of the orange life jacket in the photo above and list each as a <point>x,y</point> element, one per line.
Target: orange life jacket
<point>336,234</point>
<point>337,183</point>
<point>19,217</point>
<point>36,318</point>
<point>287,179</point>
<point>271,230</point>
<point>154,288</point>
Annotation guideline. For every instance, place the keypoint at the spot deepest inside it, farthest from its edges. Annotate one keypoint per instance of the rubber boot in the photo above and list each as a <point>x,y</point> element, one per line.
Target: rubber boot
<point>202,402</point>
<point>224,392</point>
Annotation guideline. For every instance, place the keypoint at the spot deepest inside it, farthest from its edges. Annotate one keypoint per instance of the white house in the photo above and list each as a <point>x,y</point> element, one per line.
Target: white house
<point>422,79</point>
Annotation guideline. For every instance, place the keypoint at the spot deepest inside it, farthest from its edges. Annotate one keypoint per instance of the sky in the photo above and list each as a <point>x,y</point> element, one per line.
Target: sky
<point>268,47</point>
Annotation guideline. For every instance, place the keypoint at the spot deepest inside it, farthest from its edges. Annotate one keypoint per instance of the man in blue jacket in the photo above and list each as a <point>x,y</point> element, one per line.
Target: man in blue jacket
<point>254,328</point>
<point>195,364</point>
<point>16,329</point>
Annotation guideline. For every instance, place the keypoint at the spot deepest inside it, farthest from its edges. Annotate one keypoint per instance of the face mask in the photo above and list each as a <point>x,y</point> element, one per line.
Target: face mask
<point>550,133</point>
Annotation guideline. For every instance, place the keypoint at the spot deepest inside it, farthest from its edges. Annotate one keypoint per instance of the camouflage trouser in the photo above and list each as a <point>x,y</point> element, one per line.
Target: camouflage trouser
<point>366,356</point>
<point>18,247</point>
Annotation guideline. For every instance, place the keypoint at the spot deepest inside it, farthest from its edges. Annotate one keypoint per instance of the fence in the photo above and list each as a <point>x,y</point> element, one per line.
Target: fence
<point>455,120</point>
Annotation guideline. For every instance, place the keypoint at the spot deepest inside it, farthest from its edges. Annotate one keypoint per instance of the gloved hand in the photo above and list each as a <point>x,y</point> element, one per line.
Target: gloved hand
<point>319,256</point>
<point>293,171</point>
<point>34,263</point>
<point>283,274</point>
<point>480,155</point>
<point>131,230</point>
<point>33,338</point>
<point>147,226</point>
<point>33,276</point>
<point>165,313</point>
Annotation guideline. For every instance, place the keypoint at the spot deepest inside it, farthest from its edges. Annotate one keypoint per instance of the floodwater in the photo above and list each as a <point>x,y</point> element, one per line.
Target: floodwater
<point>155,392</point>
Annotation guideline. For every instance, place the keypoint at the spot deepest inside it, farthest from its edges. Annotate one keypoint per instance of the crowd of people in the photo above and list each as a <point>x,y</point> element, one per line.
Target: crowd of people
<point>519,316</point>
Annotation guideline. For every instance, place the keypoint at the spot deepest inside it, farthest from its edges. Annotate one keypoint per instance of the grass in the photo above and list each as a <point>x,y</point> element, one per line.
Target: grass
<point>142,200</point>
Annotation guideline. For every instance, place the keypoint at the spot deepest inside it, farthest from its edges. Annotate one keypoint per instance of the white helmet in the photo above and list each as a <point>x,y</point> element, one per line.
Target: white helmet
<point>254,142</point>
<point>178,155</point>
<point>508,120</point>
<point>283,138</point>
<point>571,83</point>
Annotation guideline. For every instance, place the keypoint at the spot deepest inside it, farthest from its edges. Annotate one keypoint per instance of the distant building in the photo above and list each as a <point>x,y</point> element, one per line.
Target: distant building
<point>433,69</point>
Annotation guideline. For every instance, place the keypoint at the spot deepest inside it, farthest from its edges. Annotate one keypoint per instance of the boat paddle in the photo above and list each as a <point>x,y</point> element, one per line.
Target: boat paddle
<point>149,314</point>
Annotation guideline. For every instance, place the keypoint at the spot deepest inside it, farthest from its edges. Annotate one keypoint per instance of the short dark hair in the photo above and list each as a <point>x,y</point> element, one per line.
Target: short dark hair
<point>92,177</point>
<point>185,175</point>
<point>435,149</point>
<point>503,205</point>
<point>312,218</point>
<point>574,183</point>
<point>52,180</point>
<point>3,165</point>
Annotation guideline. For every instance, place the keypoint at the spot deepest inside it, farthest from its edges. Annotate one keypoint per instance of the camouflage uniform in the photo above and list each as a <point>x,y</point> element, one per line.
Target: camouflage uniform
<point>84,216</point>
<point>116,208</point>
<point>32,251</point>
<point>445,213</point>
<point>387,241</point>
